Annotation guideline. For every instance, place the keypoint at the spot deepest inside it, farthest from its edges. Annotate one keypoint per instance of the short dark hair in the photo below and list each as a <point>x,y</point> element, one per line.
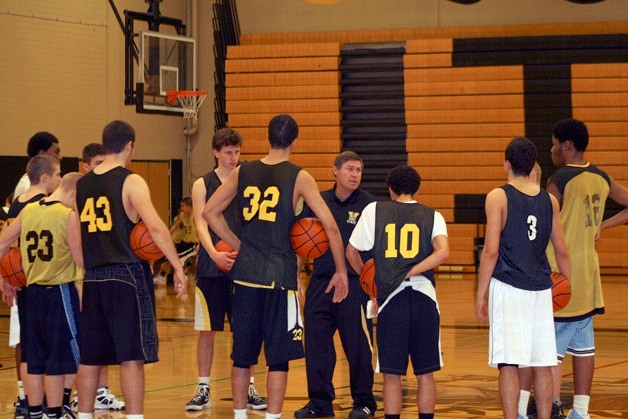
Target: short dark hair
<point>346,156</point>
<point>403,180</point>
<point>92,150</point>
<point>572,130</point>
<point>187,201</point>
<point>39,142</point>
<point>282,131</point>
<point>116,135</point>
<point>41,164</point>
<point>521,154</point>
<point>225,137</point>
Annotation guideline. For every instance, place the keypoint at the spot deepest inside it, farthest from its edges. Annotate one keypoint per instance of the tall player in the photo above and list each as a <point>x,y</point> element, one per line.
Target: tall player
<point>44,175</point>
<point>41,143</point>
<point>323,317</point>
<point>52,260</point>
<point>581,190</point>
<point>265,300</point>
<point>521,220</point>
<point>408,240</point>
<point>213,287</point>
<point>118,324</point>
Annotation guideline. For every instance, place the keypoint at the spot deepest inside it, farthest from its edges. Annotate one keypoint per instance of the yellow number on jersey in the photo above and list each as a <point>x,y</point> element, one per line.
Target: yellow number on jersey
<point>265,207</point>
<point>96,223</point>
<point>408,241</point>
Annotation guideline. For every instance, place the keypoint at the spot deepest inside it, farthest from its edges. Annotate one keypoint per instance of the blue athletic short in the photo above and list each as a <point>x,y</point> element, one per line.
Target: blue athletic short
<point>575,338</point>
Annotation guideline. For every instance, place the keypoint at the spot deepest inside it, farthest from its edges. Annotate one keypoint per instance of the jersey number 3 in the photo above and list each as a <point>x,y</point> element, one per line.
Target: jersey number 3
<point>100,221</point>
<point>531,227</point>
<point>33,242</point>
<point>265,207</point>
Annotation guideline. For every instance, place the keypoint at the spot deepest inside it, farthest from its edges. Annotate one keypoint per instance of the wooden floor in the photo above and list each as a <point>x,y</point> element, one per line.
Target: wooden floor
<point>467,386</point>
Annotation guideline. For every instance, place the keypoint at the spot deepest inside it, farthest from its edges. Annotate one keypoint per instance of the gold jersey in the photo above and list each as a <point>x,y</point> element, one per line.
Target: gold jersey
<point>46,257</point>
<point>584,190</point>
<point>186,232</point>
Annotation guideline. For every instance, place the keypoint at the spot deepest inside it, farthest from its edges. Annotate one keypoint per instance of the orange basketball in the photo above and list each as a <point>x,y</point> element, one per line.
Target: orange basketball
<point>142,243</point>
<point>308,238</point>
<point>561,290</point>
<point>223,246</point>
<point>11,268</point>
<point>367,278</point>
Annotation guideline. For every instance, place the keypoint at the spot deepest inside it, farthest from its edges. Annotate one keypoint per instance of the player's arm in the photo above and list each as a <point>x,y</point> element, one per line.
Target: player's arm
<point>217,204</point>
<point>73,232</point>
<point>552,189</point>
<point>138,195</point>
<point>617,219</point>
<point>495,210</point>
<point>437,258</point>
<point>362,237</point>
<point>558,241</point>
<point>306,187</point>
<point>199,192</point>
<point>10,234</point>
<point>177,223</point>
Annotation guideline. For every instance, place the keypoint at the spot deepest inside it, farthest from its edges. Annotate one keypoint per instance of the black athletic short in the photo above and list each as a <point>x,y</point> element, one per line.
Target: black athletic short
<point>212,303</point>
<point>21,315</point>
<point>118,321</point>
<point>51,320</point>
<point>409,325</point>
<point>268,316</point>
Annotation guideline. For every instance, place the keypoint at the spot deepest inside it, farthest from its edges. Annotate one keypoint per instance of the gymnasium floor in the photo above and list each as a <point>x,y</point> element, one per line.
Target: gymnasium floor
<point>467,386</point>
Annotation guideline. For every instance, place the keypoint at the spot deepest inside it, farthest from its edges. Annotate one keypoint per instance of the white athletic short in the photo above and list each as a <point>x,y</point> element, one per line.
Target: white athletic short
<point>14,327</point>
<point>521,326</point>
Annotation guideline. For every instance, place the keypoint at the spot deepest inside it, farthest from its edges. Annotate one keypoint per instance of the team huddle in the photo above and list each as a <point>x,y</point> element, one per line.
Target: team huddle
<point>95,298</point>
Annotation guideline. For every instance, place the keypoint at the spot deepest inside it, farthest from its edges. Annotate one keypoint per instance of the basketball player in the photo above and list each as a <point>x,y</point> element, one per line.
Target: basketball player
<point>323,317</point>
<point>41,143</point>
<point>408,240</point>
<point>265,300</point>
<point>616,220</point>
<point>93,155</point>
<point>44,174</point>
<point>213,287</point>
<point>521,220</point>
<point>581,190</point>
<point>118,324</point>
<point>52,260</point>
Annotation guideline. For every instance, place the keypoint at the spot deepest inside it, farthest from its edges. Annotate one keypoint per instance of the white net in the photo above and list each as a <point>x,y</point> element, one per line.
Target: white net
<point>191,101</point>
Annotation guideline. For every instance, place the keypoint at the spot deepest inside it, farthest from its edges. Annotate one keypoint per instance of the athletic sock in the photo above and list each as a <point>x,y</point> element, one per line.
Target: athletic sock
<point>66,396</point>
<point>135,416</point>
<point>55,412</point>
<point>203,380</point>
<point>524,398</point>
<point>36,412</point>
<point>252,380</point>
<point>20,390</point>
<point>86,416</point>
<point>426,415</point>
<point>273,415</point>
<point>581,404</point>
<point>239,413</point>
<point>388,416</point>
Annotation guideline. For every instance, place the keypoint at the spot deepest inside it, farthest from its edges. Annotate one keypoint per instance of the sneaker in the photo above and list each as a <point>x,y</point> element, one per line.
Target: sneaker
<point>200,400</point>
<point>360,413</point>
<point>573,414</point>
<point>107,401</point>
<point>67,414</point>
<point>255,402</point>
<point>557,410</point>
<point>21,409</point>
<point>309,411</point>
<point>74,402</point>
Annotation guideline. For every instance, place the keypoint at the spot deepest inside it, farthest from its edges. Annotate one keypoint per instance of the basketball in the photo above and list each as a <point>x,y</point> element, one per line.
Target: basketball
<point>11,268</point>
<point>561,290</point>
<point>367,278</point>
<point>142,243</point>
<point>223,246</point>
<point>308,238</point>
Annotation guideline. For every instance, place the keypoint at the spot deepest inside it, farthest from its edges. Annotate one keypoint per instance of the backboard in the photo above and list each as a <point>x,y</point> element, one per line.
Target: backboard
<point>166,62</point>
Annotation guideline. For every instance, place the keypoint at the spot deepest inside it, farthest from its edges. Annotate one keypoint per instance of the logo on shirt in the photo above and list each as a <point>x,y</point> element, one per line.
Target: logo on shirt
<point>353,217</point>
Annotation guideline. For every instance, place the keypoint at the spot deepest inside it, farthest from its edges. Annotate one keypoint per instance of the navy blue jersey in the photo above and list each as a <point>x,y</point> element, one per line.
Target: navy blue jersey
<point>17,206</point>
<point>346,213</point>
<point>105,227</point>
<point>403,238</point>
<point>265,197</point>
<point>206,267</point>
<point>522,261</point>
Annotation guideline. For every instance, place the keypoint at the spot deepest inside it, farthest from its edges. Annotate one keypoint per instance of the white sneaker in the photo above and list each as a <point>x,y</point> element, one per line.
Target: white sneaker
<point>107,401</point>
<point>573,414</point>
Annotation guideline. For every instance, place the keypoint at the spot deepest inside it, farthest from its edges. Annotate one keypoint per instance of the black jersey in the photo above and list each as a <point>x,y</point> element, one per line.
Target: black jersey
<point>522,262</point>
<point>17,206</point>
<point>346,213</point>
<point>265,197</point>
<point>206,267</point>
<point>105,227</point>
<point>403,238</point>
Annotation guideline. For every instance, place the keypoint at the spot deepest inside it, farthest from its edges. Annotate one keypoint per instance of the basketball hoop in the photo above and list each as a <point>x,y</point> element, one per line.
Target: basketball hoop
<point>190,101</point>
